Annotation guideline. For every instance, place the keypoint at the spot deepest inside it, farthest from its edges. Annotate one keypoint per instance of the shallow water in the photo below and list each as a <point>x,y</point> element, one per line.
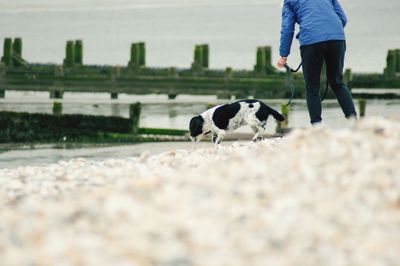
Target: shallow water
<point>157,111</point>
<point>171,28</point>
<point>49,155</point>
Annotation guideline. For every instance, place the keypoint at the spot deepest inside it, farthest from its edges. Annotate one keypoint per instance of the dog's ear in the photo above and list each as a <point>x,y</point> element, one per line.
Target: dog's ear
<point>196,126</point>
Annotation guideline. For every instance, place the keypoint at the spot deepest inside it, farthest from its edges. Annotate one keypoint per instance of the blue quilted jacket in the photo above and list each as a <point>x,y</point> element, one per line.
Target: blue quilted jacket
<point>319,20</point>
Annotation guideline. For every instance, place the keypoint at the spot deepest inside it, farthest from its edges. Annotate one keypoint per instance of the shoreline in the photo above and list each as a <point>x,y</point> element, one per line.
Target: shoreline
<point>12,156</point>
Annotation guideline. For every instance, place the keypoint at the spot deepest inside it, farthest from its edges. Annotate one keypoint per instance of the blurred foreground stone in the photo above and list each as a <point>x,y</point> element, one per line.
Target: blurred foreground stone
<point>316,197</point>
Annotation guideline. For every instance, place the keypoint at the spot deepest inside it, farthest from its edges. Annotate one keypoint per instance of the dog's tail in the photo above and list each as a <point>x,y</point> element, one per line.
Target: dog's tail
<point>276,114</point>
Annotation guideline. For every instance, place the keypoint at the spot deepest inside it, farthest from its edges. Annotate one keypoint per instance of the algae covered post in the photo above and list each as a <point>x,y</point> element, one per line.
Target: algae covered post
<point>268,59</point>
<point>78,52</point>
<point>142,54</point>
<point>363,106</point>
<point>134,116</point>
<point>206,55</point>
<point>397,60</point>
<point>283,126</point>
<point>8,50</point>
<point>260,60</point>
<point>56,94</point>
<point>348,77</point>
<point>69,54</point>
<point>134,60</point>
<point>263,80</point>
<point>138,55</point>
<point>198,63</point>
<point>57,108</point>
<point>391,64</point>
<point>17,46</point>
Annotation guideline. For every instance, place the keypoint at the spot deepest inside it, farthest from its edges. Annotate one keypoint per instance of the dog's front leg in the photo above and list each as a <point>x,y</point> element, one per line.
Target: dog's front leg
<point>220,136</point>
<point>258,136</point>
<point>214,137</point>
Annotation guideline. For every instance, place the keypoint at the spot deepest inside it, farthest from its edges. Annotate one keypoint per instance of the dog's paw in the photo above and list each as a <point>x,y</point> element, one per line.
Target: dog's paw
<point>258,139</point>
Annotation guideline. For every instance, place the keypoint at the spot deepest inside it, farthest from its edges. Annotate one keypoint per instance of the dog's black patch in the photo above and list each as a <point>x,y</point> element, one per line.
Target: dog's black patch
<point>264,111</point>
<point>249,101</point>
<point>196,126</point>
<point>224,113</point>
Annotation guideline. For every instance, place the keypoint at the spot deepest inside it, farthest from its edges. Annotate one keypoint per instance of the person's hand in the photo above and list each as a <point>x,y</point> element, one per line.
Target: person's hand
<point>281,62</point>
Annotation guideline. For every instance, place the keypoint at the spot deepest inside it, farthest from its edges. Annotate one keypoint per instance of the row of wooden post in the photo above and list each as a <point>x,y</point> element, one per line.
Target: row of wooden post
<point>12,49</point>
<point>264,60</point>
<point>392,63</point>
<point>12,56</point>
<point>138,55</point>
<point>73,53</point>
<point>201,57</point>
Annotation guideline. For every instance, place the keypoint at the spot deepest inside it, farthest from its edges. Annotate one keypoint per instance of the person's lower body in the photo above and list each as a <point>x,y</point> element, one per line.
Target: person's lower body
<point>313,57</point>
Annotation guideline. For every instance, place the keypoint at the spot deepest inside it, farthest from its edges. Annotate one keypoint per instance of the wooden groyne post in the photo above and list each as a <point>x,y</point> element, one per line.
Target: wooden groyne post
<point>114,95</point>
<point>397,52</point>
<point>392,66</point>
<point>264,60</point>
<point>138,55</point>
<point>260,60</point>
<point>197,64</point>
<point>69,60</point>
<point>73,53</point>
<point>201,57</point>
<point>348,77</point>
<point>228,73</point>
<point>268,60</point>
<point>134,60</point>
<point>363,106</point>
<point>283,126</point>
<point>78,53</point>
<point>10,49</point>
<point>115,74</point>
<point>7,52</point>
<point>17,46</point>
<point>142,54</point>
<point>206,55</point>
<point>56,94</point>
<point>17,52</point>
<point>57,108</point>
<point>134,116</point>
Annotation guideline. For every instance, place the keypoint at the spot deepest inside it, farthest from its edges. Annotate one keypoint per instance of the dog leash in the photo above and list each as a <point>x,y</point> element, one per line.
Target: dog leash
<point>290,70</point>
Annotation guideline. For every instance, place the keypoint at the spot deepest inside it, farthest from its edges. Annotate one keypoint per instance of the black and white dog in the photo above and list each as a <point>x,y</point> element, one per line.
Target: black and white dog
<point>223,119</point>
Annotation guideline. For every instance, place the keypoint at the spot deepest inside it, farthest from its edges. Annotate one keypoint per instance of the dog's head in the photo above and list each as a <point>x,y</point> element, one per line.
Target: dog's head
<point>196,128</point>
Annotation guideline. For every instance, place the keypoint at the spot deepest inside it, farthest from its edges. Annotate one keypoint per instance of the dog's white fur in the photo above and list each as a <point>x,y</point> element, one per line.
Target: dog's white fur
<point>245,116</point>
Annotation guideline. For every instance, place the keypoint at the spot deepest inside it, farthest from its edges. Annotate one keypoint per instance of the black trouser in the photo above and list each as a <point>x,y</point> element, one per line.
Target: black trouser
<point>313,57</point>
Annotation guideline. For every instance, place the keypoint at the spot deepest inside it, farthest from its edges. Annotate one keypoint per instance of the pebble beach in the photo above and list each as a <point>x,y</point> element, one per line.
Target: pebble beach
<point>319,196</point>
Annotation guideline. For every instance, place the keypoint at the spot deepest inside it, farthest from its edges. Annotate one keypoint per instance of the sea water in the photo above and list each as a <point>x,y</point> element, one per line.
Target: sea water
<point>171,28</point>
